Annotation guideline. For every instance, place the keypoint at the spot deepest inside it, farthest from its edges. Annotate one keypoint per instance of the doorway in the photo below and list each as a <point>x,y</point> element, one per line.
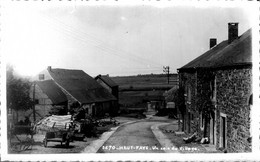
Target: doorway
<point>212,128</point>
<point>223,130</point>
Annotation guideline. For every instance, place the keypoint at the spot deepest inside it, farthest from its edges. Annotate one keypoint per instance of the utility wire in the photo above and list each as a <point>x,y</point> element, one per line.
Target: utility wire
<point>98,43</point>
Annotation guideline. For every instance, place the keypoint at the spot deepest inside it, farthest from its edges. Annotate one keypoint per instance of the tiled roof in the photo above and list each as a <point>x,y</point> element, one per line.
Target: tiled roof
<point>238,52</point>
<point>53,91</point>
<point>81,86</point>
<point>106,79</point>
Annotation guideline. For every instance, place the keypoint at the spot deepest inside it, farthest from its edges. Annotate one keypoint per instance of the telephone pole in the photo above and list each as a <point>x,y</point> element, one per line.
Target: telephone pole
<point>166,70</point>
<point>34,116</point>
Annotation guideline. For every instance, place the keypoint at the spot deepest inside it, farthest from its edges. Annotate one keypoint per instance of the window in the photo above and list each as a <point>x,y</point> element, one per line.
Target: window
<point>250,100</point>
<point>41,76</point>
<point>213,89</point>
<point>201,121</point>
<point>36,101</point>
<point>189,94</point>
<point>185,91</point>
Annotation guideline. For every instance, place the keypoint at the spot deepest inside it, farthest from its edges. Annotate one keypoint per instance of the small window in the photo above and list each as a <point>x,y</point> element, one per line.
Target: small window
<point>213,89</point>
<point>201,121</point>
<point>41,76</point>
<point>250,101</point>
<point>189,94</point>
<point>185,91</point>
<point>36,101</point>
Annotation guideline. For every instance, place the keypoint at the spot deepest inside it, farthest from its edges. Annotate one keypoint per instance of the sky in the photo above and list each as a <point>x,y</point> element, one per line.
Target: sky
<point>118,40</point>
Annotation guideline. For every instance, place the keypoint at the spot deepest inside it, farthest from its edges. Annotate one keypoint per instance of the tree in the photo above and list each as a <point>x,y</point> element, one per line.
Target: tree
<point>18,92</point>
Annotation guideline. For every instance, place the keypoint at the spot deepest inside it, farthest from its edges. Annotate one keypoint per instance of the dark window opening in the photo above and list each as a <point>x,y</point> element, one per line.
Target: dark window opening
<point>41,76</point>
<point>250,102</point>
<point>36,101</point>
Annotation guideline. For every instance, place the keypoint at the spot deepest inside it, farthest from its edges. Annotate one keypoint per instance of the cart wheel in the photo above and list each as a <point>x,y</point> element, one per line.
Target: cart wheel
<point>67,143</point>
<point>45,142</point>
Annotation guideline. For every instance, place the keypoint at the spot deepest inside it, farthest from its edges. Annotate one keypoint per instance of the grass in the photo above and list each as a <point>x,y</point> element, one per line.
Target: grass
<point>139,98</point>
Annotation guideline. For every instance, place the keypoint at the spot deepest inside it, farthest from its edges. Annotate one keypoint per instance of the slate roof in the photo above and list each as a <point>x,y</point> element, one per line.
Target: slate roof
<point>238,52</point>
<point>106,79</point>
<point>53,91</point>
<point>81,86</point>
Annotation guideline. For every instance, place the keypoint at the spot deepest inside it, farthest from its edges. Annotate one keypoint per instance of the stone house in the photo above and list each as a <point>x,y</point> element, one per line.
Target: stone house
<point>218,88</point>
<point>81,90</point>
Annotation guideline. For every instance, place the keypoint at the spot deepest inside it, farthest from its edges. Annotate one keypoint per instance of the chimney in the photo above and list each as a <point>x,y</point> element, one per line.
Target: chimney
<point>232,31</point>
<point>49,68</point>
<point>212,42</point>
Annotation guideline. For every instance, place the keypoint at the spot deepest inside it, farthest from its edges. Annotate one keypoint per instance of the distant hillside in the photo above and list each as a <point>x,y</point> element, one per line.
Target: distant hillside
<point>145,82</point>
<point>136,91</point>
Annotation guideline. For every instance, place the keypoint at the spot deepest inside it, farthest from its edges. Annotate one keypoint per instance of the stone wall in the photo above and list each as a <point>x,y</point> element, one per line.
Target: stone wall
<point>191,121</point>
<point>203,98</point>
<point>234,88</point>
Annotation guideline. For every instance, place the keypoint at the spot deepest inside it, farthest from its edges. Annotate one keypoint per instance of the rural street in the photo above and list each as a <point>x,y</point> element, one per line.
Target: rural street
<point>137,137</point>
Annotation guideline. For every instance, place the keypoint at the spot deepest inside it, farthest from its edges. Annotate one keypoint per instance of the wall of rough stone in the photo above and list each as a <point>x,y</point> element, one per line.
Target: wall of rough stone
<point>192,116</point>
<point>204,78</point>
<point>234,88</point>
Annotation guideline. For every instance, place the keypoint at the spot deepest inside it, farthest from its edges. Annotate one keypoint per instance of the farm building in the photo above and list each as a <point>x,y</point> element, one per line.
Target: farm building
<point>217,88</point>
<point>81,90</point>
<point>108,83</point>
<point>47,95</point>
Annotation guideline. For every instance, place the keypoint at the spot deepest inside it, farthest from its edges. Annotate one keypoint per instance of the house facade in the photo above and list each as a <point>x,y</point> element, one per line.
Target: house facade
<point>218,86</point>
<point>47,95</point>
<point>81,90</point>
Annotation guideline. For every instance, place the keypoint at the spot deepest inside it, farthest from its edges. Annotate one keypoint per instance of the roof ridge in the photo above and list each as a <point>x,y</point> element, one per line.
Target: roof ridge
<point>81,86</point>
<point>224,53</point>
<point>67,69</point>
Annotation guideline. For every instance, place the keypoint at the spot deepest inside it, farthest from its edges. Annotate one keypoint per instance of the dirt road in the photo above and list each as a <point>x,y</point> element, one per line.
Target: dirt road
<point>133,138</point>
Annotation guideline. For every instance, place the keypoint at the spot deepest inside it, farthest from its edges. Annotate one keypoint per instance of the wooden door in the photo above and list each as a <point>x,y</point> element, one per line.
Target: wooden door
<point>212,129</point>
<point>223,131</point>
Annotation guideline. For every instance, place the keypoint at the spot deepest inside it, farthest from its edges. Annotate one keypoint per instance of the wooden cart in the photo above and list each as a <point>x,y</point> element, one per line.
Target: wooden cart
<point>59,135</point>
